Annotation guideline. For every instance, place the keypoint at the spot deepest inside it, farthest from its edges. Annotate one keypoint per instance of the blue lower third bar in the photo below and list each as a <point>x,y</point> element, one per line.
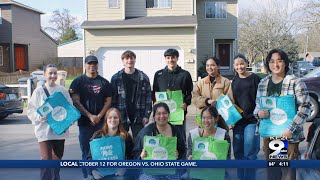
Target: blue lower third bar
<point>150,164</point>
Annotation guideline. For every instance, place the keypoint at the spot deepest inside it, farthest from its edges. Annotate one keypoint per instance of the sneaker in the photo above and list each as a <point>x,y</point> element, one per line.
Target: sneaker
<point>96,175</point>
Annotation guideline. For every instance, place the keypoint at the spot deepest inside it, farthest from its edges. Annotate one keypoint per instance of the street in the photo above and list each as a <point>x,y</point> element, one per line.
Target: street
<point>19,143</point>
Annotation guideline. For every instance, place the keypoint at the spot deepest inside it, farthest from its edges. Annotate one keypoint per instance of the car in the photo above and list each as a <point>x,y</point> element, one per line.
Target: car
<point>10,101</point>
<point>301,68</point>
<point>312,82</point>
<point>316,62</point>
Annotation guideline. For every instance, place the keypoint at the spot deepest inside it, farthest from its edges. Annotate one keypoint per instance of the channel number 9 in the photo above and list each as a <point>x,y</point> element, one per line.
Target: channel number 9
<point>276,145</point>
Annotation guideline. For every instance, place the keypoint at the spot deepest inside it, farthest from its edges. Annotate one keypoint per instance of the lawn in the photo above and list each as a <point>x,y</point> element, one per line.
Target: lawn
<point>69,81</point>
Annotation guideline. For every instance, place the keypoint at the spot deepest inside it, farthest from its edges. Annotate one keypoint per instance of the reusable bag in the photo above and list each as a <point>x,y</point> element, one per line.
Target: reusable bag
<point>209,148</point>
<point>228,110</point>
<point>107,148</point>
<point>160,148</point>
<point>60,113</point>
<point>174,99</point>
<point>282,110</point>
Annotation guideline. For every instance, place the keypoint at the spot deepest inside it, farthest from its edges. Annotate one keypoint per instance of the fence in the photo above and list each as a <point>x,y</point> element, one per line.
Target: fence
<point>255,69</point>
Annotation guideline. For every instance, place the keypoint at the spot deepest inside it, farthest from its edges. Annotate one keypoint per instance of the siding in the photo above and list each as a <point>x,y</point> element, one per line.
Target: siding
<point>5,27</point>
<point>182,37</point>
<point>6,53</point>
<point>98,10</point>
<point>47,51</point>
<point>209,29</point>
<point>136,8</point>
<point>74,49</point>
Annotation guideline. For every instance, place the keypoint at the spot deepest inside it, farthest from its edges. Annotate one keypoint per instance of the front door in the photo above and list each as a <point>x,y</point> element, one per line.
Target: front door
<point>20,58</point>
<point>224,55</point>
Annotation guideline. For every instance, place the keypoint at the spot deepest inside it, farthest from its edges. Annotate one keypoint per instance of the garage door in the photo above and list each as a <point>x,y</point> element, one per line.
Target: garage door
<point>149,60</point>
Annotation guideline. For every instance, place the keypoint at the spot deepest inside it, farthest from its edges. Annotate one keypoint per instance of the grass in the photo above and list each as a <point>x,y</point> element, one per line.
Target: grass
<point>69,81</point>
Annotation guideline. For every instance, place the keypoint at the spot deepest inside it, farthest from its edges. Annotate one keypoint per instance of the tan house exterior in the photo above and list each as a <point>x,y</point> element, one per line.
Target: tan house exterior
<point>198,29</point>
<point>23,44</point>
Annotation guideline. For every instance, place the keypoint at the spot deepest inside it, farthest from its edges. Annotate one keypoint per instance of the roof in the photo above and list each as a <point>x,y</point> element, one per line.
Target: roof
<point>10,2</point>
<point>69,42</point>
<point>143,22</point>
<point>44,32</point>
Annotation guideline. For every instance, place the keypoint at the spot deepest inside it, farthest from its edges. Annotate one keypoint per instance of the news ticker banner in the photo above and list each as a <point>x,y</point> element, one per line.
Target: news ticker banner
<point>158,164</point>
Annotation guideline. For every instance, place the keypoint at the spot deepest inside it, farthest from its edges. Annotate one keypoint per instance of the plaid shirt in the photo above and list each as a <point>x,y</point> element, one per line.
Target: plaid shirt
<point>143,97</point>
<point>290,85</point>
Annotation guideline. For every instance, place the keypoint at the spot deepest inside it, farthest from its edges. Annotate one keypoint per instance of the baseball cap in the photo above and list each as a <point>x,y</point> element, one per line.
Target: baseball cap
<point>91,58</point>
<point>171,52</point>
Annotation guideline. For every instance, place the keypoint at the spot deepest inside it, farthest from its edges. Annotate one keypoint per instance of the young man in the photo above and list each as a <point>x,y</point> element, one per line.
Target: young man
<point>132,94</point>
<point>174,78</point>
<point>276,84</point>
<point>91,95</point>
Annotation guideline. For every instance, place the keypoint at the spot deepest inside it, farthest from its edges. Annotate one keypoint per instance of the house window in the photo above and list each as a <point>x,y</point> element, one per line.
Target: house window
<point>1,56</point>
<point>158,3</point>
<point>0,17</point>
<point>215,10</point>
<point>113,3</point>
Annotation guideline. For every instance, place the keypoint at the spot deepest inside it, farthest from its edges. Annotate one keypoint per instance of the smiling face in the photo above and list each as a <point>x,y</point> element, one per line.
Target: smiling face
<point>51,75</point>
<point>172,62</point>
<point>208,121</point>
<point>240,65</point>
<point>129,62</point>
<point>161,116</point>
<point>212,68</point>
<point>113,119</point>
<point>277,65</point>
<point>91,68</point>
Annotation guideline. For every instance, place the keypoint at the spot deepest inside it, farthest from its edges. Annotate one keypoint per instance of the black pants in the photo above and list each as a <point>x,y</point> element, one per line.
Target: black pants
<point>135,128</point>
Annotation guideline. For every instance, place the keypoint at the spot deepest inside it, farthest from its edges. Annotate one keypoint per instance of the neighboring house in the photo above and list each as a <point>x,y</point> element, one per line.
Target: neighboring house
<point>197,28</point>
<point>70,54</point>
<point>23,44</point>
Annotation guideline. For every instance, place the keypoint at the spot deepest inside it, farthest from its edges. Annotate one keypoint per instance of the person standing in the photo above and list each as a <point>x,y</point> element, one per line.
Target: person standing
<point>173,78</point>
<point>51,145</point>
<point>246,143</point>
<point>279,83</point>
<point>91,95</point>
<point>132,94</point>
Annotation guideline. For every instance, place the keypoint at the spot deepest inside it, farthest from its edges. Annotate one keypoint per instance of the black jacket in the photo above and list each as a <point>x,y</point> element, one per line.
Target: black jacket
<point>178,79</point>
<point>151,130</point>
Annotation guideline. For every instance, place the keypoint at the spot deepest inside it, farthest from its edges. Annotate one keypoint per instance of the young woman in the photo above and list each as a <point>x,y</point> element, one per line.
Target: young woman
<point>246,143</point>
<point>113,127</point>
<point>51,144</point>
<point>162,126</point>
<point>207,90</point>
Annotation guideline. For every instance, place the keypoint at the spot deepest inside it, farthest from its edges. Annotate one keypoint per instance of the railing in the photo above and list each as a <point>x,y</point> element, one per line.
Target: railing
<point>23,88</point>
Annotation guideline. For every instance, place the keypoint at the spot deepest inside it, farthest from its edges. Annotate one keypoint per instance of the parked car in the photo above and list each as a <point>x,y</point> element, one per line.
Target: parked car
<point>312,82</point>
<point>316,62</point>
<point>10,101</point>
<point>300,68</point>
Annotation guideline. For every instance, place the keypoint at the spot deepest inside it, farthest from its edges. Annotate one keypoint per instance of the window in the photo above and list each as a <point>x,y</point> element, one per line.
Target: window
<point>0,17</point>
<point>158,3</point>
<point>215,10</point>
<point>113,3</point>
<point>1,56</point>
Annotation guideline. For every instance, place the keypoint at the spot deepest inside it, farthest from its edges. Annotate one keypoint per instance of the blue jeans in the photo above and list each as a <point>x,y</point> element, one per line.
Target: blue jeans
<point>85,134</point>
<point>246,146</point>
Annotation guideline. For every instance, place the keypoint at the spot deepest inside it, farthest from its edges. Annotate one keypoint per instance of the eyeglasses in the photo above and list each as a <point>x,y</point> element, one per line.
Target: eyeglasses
<point>273,61</point>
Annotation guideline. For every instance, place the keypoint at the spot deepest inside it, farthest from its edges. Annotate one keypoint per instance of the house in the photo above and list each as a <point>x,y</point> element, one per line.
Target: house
<point>23,44</point>
<point>198,29</point>
<point>71,53</point>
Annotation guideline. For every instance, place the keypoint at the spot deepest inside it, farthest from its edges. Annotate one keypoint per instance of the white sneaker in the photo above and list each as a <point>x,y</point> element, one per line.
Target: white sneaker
<point>96,175</point>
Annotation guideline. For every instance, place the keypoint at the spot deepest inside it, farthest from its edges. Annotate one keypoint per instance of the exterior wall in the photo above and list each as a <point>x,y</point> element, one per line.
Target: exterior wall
<point>6,26</point>
<point>136,8</point>
<point>6,54</point>
<point>209,29</point>
<point>98,10</point>
<point>73,49</point>
<point>182,37</point>
<point>47,51</point>
<point>26,30</point>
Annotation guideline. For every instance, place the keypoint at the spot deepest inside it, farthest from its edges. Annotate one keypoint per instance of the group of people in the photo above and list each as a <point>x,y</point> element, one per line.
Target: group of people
<point>126,103</point>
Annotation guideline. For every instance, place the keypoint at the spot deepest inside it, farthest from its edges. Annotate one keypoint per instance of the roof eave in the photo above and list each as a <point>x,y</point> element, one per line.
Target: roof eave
<point>22,5</point>
<point>137,26</point>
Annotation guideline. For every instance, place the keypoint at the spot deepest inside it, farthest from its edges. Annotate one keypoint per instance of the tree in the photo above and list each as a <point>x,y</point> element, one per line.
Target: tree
<point>266,27</point>
<point>64,25</point>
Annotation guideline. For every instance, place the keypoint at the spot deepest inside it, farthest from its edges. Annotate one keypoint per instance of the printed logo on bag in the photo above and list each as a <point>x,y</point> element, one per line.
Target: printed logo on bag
<point>46,109</point>
<point>278,116</point>
<point>226,102</point>
<point>107,153</point>
<point>172,105</point>
<point>160,153</point>
<point>152,141</point>
<point>224,113</point>
<point>201,146</point>
<point>268,102</point>
<point>208,156</point>
<point>278,148</point>
<point>59,113</point>
<point>161,96</point>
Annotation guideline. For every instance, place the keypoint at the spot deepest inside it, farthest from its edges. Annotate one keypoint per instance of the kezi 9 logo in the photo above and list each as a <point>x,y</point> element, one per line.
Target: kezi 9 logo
<point>278,148</point>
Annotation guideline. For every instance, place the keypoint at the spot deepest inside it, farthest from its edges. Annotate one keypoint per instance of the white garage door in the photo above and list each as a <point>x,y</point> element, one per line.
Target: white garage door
<point>149,60</point>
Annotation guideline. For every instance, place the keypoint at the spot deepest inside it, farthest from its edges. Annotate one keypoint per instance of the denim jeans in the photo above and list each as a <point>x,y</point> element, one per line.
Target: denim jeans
<point>85,134</point>
<point>246,146</point>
